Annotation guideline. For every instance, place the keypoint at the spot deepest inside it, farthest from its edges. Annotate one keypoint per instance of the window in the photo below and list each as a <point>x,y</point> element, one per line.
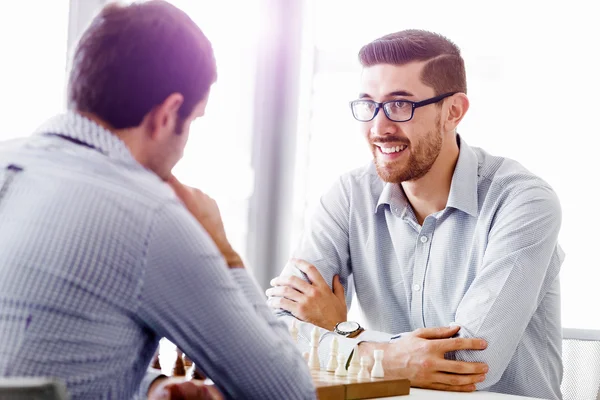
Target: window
<point>523,60</point>
<point>33,45</point>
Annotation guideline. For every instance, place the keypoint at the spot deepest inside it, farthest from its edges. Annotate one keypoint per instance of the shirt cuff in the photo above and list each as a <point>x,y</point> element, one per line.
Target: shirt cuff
<point>147,381</point>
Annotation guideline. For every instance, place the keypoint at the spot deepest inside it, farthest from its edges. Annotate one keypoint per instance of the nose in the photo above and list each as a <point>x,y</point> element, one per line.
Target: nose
<point>382,126</point>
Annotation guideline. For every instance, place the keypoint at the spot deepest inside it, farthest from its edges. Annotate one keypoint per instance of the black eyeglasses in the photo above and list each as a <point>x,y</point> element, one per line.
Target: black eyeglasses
<point>395,110</point>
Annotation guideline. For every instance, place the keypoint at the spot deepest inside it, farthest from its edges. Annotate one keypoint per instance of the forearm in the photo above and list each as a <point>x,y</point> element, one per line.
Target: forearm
<point>345,345</point>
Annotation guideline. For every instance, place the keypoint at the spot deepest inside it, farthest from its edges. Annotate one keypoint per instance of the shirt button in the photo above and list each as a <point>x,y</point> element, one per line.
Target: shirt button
<point>416,287</point>
<point>423,239</point>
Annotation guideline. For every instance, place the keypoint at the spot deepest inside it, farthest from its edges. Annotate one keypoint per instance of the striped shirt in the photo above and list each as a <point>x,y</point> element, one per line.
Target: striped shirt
<point>99,260</point>
<point>488,262</point>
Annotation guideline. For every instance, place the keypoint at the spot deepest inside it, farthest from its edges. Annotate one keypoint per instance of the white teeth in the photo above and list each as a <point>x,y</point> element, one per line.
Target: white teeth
<point>389,150</point>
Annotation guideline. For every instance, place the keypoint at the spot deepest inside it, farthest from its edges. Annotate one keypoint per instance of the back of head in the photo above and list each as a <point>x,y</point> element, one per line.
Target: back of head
<point>444,70</point>
<point>131,58</point>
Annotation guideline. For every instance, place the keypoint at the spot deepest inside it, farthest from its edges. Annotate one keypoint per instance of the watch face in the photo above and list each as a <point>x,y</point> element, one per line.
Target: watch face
<point>348,326</point>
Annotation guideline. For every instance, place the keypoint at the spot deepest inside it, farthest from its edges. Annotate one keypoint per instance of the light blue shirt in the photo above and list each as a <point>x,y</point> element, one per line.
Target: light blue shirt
<point>99,260</point>
<point>488,262</point>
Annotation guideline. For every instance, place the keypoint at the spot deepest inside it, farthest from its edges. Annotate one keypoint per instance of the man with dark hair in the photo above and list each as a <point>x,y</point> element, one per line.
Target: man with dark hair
<point>453,246</point>
<point>104,252</point>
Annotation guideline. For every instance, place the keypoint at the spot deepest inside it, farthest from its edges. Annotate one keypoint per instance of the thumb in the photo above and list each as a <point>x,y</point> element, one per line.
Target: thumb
<point>443,332</point>
<point>338,289</point>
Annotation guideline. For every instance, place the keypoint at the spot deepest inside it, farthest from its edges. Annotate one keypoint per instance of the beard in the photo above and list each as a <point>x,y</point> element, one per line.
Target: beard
<point>422,155</point>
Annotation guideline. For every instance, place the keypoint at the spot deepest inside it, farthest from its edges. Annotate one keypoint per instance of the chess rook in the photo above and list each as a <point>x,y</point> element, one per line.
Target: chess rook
<point>377,371</point>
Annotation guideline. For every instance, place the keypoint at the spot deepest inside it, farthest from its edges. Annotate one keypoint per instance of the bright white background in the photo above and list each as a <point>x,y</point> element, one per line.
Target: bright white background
<point>533,81</point>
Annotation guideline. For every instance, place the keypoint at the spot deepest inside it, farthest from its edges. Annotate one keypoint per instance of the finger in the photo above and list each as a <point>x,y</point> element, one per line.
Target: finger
<point>441,332</point>
<point>284,304</point>
<point>461,367</point>
<point>190,390</point>
<point>214,392</point>
<point>311,272</point>
<point>448,388</point>
<point>294,282</point>
<point>454,344</point>
<point>285,291</point>
<point>338,288</point>
<point>456,379</point>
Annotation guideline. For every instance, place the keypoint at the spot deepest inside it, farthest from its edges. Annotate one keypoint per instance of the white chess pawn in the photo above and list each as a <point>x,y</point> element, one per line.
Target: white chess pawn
<point>341,365</point>
<point>364,368</point>
<point>313,360</point>
<point>377,371</point>
<point>332,363</point>
<point>294,331</point>
<point>354,364</point>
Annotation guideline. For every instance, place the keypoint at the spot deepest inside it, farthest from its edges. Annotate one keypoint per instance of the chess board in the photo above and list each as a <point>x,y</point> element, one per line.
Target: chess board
<point>331,387</point>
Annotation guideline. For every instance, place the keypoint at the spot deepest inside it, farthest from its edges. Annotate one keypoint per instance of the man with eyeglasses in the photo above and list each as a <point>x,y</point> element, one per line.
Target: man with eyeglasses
<point>452,251</point>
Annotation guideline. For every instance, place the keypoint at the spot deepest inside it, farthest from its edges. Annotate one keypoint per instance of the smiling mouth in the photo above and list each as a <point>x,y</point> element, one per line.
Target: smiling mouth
<point>392,149</point>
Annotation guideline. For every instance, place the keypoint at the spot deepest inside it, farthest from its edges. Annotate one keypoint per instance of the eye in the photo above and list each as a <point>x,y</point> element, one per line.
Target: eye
<point>399,105</point>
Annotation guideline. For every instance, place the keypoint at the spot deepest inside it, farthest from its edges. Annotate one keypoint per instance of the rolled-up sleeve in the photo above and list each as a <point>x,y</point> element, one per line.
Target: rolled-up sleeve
<point>517,271</point>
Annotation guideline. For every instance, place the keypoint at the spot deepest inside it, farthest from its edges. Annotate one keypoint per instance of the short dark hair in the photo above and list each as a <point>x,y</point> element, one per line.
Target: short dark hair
<point>445,68</point>
<point>131,58</point>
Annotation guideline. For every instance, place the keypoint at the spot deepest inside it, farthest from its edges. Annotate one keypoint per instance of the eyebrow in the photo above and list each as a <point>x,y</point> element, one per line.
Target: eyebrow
<point>396,93</point>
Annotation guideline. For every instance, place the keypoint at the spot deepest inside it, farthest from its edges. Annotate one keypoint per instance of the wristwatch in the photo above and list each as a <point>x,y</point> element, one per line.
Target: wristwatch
<point>349,329</point>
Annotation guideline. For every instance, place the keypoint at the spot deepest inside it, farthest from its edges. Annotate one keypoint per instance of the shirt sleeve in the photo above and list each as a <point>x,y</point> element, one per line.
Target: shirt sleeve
<point>345,345</point>
<point>515,275</point>
<point>325,242</point>
<point>212,314</point>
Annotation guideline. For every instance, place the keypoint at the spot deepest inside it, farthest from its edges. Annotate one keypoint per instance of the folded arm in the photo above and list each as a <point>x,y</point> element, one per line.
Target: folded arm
<point>516,273</point>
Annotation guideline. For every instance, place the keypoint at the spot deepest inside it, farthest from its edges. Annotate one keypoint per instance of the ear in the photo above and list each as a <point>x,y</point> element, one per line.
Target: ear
<point>164,117</point>
<point>457,108</point>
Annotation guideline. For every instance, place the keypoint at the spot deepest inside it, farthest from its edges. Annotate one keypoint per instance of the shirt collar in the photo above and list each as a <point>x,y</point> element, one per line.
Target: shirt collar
<point>463,189</point>
<point>79,128</point>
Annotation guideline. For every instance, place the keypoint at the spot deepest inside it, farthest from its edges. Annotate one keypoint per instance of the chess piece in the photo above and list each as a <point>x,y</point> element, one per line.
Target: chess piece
<point>294,331</point>
<point>305,355</point>
<point>197,373</point>
<point>332,363</point>
<point>341,365</point>
<point>155,361</point>
<point>313,360</point>
<point>377,371</point>
<point>354,363</point>
<point>364,368</point>
<point>187,362</point>
<point>178,367</point>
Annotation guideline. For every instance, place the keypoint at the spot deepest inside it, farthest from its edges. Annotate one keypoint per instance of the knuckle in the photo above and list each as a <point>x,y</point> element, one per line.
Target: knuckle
<point>429,346</point>
<point>426,364</point>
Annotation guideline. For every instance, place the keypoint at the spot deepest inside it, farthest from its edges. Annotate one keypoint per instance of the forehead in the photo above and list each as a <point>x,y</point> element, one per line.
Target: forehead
<point>382,79</point>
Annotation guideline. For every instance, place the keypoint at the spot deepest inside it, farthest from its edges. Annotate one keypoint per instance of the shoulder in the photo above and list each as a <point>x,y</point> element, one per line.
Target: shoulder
<point>508,184</point>
<point>362,181</point>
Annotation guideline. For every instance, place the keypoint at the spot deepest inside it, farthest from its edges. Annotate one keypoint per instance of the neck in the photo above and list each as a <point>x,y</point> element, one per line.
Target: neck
<point>127,136</point>
<point>429,194</point>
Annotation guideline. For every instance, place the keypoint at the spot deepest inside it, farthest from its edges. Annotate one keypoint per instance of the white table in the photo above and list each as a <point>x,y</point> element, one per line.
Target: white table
<point>424,394</point>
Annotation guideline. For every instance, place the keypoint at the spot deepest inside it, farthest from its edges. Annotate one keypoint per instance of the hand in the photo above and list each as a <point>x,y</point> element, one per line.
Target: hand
<point>180,389</point>
<point>206,212</point>
<point>312,302</point>
<point>419,357</point>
